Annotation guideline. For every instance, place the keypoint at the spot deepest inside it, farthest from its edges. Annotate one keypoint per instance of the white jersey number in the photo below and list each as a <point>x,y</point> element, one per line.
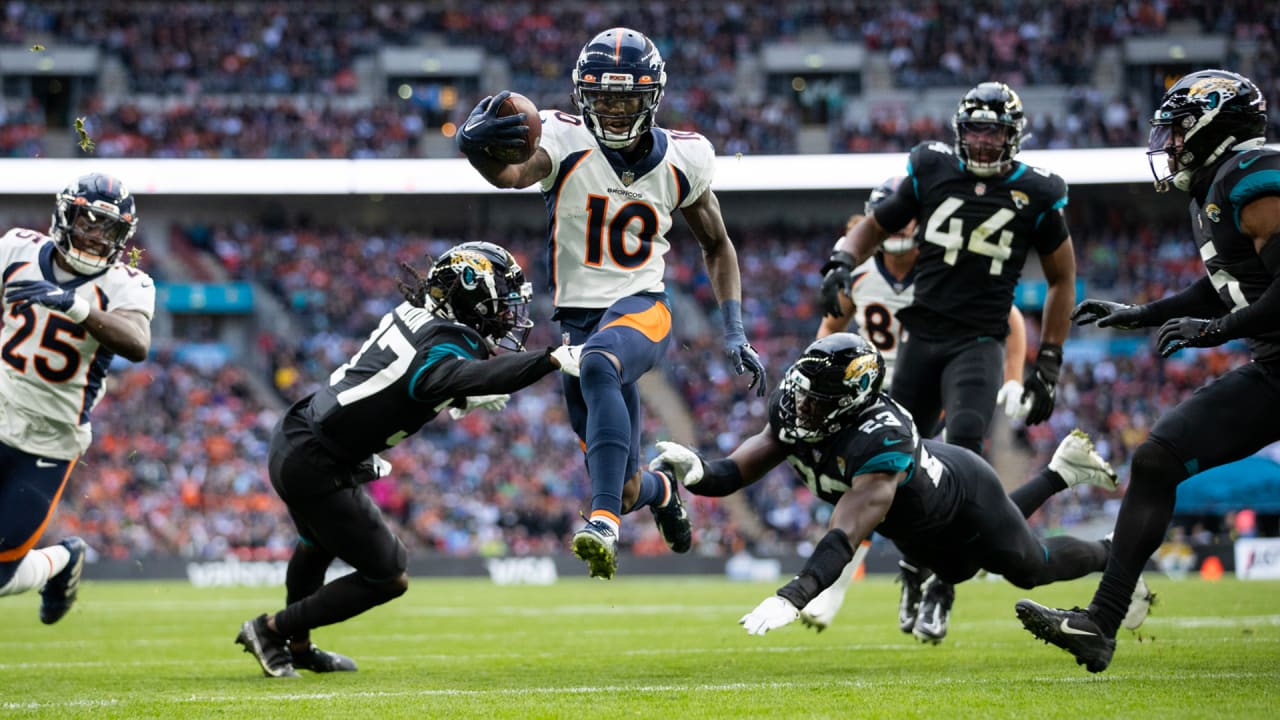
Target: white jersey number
<point>952,239</point>
<point>387,335</point>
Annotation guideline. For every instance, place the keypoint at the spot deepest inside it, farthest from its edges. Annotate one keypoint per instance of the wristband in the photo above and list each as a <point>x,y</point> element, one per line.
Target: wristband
<point>837,259</point>
<point>79,310</point>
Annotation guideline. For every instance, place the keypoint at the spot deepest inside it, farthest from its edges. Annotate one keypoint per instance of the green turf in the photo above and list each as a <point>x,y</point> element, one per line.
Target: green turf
<point>637,647</point>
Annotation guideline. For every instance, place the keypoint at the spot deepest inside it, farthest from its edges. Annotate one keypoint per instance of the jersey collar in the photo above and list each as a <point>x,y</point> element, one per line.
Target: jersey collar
<point>641,167</point>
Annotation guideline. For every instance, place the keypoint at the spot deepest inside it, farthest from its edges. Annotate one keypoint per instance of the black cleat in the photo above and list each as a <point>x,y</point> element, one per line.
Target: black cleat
<point>934,615</point>
<point>1072,630</point>
<point>673,519</point>
<point>912,579</point>
<point>267,646</point>
<point>322,661</point>
<point>59,594</point>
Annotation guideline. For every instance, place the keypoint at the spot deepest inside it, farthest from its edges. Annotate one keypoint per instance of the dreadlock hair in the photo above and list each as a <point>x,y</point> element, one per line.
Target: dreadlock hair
<point>413,285</point>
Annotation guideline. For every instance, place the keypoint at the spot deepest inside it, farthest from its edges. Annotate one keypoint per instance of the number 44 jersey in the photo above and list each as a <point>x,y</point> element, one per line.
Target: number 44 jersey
<point>609,218</point>
<point>974,235</point>
<point>881,439</point>
<point>52,371</point>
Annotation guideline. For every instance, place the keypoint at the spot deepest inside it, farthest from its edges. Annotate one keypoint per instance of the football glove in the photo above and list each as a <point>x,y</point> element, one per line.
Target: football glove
<point>1040,384</point>
<point>1184,332</point>
<point>1110,314</point>
<point>1010,396</point>
<point>24,292</point>
<point>683,463</point>
<point>484,129</point>
<point>773,613</point>
<point>480,402</point>
<point>741,355</point>
<point>837,280</point>
<point>568,356</point>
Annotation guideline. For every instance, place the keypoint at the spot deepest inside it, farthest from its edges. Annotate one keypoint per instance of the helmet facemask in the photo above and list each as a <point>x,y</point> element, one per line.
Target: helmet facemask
<point>987,147</point>
<point>617,110</point>
<point>90,235</point>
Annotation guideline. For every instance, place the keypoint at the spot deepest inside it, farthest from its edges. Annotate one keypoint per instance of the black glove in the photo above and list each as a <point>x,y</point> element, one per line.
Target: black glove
<point>484,129</point>
<point>1110,314</point>
<point>837,280</point>
<point>1184,332</point>
<point>741,355</point>
<point>1040,383</point>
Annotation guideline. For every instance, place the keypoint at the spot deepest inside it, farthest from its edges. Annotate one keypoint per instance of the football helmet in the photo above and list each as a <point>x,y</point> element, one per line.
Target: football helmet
<point>903,241</point>
<point>835,378</point>
<point>481,285</point>
<point>1203,115</point>
<point>93,218</point>
<point>988,128</point>
<point>617,85</point>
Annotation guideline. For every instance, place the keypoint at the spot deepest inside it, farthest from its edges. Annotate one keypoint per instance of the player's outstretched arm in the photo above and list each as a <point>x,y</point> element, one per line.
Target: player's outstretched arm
<point>485,129</point>
<point>126,333</point>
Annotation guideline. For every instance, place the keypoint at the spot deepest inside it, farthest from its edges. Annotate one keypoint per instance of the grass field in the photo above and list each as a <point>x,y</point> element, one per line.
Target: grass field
<point>637,647</point>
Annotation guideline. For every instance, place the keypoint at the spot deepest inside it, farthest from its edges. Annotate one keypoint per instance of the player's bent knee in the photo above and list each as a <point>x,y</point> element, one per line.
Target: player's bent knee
<point>597,368</point>
<point>1153,464</point>
<point>966,428</point>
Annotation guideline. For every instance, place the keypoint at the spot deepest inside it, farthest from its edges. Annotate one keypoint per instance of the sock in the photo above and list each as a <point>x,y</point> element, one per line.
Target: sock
<point>1070,558</point>
<point>655,491</point>
<point>608,432</point>
<point>305,576</point>
<point>35,569</point>
<point>1031,495</point>
<point>607,519</point>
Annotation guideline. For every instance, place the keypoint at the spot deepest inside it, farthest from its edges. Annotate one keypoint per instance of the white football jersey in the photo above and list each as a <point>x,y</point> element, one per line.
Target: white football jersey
<point>609,221</point>
<point>877,298</point>
<point>52,371</point>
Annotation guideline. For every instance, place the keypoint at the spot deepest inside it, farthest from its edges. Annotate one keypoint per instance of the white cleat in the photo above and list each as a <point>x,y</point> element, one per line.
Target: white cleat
<point>1139,606</point>
<point>1077,462</point>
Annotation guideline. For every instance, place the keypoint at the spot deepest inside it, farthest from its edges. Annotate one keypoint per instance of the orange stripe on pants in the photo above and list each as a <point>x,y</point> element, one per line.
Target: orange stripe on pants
<point>17,553</point>
<point>654,323</point>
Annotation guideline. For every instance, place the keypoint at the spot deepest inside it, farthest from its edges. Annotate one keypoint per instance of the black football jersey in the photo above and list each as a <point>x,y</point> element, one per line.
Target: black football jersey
<point>1229,255</point>
<point>974,235</point>
<point>413,365</point>
<point>882,438</point>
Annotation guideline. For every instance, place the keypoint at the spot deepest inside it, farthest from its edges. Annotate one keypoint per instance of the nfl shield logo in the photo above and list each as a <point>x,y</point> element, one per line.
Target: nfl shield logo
<point>980,189</point>
<point>628,177</point>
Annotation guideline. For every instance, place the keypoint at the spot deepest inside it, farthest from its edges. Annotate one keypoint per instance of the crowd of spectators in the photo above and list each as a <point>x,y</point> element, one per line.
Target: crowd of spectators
<point>294,59</point>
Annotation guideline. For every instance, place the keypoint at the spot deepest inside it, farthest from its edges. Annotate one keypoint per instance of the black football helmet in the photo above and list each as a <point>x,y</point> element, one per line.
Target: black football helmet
<point>988,128</point>
<point>481,285</point>
<point>904,240</point>
<point>1203,115</point>
<point>823,391</point>
<point>617,85</point>
<point>93,219</point>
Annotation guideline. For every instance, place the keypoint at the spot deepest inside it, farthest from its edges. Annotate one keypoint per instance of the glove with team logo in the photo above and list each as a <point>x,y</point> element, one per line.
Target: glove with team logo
<point>480,402</point>
<point>24,292</point>
<point>484,129</point>
<point>741,355</point>
<point>837,281</point>
<point>1041,382</point>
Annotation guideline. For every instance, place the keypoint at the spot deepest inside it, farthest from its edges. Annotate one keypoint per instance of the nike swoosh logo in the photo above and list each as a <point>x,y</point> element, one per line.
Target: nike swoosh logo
<point>42,463</point>
<point>1246,163</point>
<point>891,441</point>
<point>472,124</point>
<point>1066,629</point>
<point>474,345</point>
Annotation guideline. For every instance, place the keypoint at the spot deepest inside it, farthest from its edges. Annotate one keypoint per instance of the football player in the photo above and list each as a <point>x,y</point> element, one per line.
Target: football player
<point>1207,140</point>
<point>880,288</point>
<point>612,180</point>
<point>856,448</point>
<point>435,350</point>
<point>70,307</point>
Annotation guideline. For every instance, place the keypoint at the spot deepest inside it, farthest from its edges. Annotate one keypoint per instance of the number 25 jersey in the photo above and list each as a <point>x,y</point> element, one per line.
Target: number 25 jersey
<point>609,219</point>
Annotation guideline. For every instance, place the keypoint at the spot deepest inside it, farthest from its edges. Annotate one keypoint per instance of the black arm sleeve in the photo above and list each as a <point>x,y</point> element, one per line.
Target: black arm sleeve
<point>894,212</point>
<point>821,570</point>
<point>507,373</point>
<point>1199,300</point>
<point>719,478</point>
<point>1262,316</point>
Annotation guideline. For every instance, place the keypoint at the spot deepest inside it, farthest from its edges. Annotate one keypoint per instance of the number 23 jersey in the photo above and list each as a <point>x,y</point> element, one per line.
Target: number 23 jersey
<point>52,371</point>
<point>881,439</point>
<point>609,219</point>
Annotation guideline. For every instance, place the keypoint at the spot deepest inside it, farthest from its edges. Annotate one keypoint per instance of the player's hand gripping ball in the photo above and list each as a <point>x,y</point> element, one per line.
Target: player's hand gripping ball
<point>514,155</point>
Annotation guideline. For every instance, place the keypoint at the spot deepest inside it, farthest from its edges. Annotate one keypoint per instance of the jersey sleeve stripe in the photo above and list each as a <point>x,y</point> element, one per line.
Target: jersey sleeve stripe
<point>1253,186</point>
<point>1022,168</point>
<point>438,353</point>
<point>893,462</point>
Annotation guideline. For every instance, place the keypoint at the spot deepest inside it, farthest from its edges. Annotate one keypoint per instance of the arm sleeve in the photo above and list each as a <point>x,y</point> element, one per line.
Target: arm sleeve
<point>894,212</point>
<point>454,377</point>
<point>1051,225</point>
<point>1260,317</point>
<point>1199,300</point>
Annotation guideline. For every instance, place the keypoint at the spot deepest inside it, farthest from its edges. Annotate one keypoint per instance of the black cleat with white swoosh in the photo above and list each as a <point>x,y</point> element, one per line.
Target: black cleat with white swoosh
<point>1072,630</point>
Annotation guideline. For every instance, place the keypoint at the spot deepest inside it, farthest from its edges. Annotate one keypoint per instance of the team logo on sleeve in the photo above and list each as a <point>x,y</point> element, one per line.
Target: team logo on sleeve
<point>1213,211</point>
<point>1020,199</point>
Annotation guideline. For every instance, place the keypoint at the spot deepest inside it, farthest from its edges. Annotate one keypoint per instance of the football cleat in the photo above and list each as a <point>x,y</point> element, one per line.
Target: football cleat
<point>936,600</point>
<point>909,603</point>
<point>672,519</point>
<point>597,545</point>
<point>1077,462</point>
<point>1139,606</point>
<point>1072,630</point>
<point>268,647</point>
<point>321,661</point>
<point>59,593</point>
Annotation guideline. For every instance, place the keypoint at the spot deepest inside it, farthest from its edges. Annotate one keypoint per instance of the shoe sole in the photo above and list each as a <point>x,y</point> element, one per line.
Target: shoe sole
<point>248,637</point>
<point>1046,630</point>
<point>600,561</point>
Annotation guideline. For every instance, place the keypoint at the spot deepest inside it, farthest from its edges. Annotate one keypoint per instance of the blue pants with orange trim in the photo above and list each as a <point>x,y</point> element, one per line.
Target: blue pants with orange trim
<point>30,486</point>
<point>604,403</point>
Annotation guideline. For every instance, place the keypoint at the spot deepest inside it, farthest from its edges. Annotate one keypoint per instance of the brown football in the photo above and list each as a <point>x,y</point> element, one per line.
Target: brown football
<point>518,103</point>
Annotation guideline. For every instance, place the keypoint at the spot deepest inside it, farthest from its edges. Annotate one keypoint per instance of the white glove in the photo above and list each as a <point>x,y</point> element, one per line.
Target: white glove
<point>480,402</point>
<point>1010,396</point>
<point>680,460</point>
<point>568,356</point>
<point>381,467</point>
<point>773,613</point>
